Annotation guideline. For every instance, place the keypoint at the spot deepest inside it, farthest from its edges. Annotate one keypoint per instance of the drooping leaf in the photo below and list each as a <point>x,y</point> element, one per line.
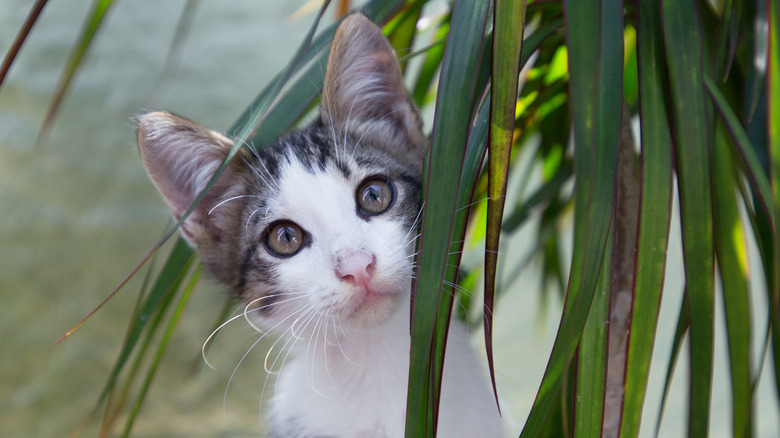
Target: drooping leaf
<point>88,31</point>
<point>161,348</point>
<point>744,150</point>
<point>682,43</point>
<point>170,274</point>
<point>432,306</point>
<point>508,21</point>
<point>655,213</point>
<point>591,357</point>
<point>731,251</point>
<point>596,103</point>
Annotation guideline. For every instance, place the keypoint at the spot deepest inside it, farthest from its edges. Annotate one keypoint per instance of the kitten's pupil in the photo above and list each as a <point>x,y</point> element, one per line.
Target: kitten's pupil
<point>285,239</point>
<point>374,196</point>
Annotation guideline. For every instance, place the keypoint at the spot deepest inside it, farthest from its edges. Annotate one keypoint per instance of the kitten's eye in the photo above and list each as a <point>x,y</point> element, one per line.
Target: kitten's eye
<point>375,196</point>
<point>285,239</point>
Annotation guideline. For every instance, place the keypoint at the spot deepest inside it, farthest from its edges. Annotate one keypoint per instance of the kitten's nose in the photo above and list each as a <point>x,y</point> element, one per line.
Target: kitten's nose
<point>356,267</point>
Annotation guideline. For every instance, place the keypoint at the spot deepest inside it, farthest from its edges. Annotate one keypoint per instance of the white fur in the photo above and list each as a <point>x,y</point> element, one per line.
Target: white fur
<point>346,373</point>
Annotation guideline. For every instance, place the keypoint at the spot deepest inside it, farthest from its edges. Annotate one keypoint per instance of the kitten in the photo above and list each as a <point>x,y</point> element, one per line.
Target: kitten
<point>317,234</point>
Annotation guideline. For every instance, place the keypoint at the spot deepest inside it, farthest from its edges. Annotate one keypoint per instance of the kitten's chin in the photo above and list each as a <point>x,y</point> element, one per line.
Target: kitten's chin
<point>371,308</point>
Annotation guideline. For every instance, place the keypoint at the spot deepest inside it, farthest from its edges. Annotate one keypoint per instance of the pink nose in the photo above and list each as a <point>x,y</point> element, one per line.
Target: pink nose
<point>356,267</point>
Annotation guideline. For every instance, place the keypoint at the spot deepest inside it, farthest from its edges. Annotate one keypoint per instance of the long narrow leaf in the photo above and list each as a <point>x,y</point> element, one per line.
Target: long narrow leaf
<point>596,376</point>
<point>181,256</point>
<point>431,308</point>
<point>162,347</point>
<point>744,150</point>
<point>592,358</point>
<point>731,251</point>
<point>596,100</point>
<point>683,47</point>
<point>508,21</point>
<point>88,31</point>
<point>656,199</point>
<point>115,404</point>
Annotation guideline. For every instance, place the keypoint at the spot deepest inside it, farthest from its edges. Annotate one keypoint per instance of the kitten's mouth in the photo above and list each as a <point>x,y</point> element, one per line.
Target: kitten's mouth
<point>368,298</point>
<point>371,306</point>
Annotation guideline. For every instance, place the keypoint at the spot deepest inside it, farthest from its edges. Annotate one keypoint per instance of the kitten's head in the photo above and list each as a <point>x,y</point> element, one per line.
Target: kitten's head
<point>322,223</point>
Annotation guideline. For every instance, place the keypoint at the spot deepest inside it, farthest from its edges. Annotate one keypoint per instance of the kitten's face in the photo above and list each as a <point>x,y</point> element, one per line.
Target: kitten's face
<point>332,237</point>
<point>319,227</point>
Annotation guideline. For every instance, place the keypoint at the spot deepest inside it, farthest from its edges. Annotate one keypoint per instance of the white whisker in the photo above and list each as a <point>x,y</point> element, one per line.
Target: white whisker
<point>230,199</point>
<point>343,353</point>
<point>208,339</point>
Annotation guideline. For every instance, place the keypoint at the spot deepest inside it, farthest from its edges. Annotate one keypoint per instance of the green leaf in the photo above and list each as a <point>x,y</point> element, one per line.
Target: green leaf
<point>402,30</point>
<point>161,348</point>
<point>431,307</point>
<point>630,74</point>
<point>655,213</point>
<point>88,31</point>
<point>430,65</point>
<point>731,250</point>
<point>744,150</point>
<point>596,100</point>
<point>684,59</point>
<point>725,46</point>
<point>592,358</point>
<point>508,23</point>
<point>170,274</point>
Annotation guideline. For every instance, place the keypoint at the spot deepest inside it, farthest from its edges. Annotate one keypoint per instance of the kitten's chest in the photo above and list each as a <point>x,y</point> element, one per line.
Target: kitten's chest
<point>350,389</point>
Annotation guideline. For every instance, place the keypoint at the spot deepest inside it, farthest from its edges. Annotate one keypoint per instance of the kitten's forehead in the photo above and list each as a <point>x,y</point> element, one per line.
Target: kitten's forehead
<point>311,176</point>
<point>314,190</point>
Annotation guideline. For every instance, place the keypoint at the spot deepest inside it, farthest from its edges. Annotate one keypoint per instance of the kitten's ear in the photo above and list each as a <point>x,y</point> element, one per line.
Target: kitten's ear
<point>181,156</point>
<point>364,91</point>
